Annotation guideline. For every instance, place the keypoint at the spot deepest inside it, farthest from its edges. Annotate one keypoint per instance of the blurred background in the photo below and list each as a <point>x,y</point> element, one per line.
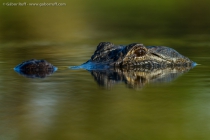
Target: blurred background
<point>69,104</point>
<point>174,23</point>
<point>108,20</point>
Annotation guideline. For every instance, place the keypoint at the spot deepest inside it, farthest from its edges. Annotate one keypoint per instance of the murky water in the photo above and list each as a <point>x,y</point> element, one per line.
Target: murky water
<point>74,104</point>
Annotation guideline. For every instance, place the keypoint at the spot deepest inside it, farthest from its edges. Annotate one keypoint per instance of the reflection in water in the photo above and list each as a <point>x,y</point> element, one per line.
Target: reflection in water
<point>137,78</point>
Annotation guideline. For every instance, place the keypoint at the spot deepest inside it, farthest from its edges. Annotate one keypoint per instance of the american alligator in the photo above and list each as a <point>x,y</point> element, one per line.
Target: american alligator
<point>135,64</point>
<point>108,56</point>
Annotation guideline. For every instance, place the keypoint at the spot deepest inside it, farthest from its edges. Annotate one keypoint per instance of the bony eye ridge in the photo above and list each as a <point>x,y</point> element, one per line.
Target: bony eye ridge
<point>140,52</point>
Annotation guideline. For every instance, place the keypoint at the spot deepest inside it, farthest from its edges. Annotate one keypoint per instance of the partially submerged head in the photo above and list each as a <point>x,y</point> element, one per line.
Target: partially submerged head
<point>139,56</point>
<point>160,55</point>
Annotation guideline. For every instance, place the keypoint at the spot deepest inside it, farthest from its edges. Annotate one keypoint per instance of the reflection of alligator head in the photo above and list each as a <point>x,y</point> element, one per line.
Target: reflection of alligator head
<point>137,78</point>
<point>35,68</point>
<point>135,64</point>
<point>107,55</point>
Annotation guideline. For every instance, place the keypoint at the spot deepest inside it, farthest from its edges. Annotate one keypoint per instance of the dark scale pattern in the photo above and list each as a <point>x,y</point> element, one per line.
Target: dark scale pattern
<point>35,68</point>
<point>136,55</point>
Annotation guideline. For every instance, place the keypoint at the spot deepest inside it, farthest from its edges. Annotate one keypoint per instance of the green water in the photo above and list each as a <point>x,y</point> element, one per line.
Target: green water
<point>70,104</point>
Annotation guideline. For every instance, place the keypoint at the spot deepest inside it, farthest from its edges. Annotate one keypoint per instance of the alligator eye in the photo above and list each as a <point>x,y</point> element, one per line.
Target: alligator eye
<point>140,52</point>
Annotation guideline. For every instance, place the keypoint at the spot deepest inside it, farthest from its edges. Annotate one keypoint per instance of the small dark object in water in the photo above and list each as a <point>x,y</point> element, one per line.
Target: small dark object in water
<point>35,68</point>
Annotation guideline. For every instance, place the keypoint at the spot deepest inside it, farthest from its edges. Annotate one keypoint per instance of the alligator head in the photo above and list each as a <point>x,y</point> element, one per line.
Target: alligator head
<point>108,55</point>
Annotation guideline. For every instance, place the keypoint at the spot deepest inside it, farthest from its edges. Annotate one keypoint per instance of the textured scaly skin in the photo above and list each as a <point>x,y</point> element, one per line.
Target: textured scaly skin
<point>107,55</point>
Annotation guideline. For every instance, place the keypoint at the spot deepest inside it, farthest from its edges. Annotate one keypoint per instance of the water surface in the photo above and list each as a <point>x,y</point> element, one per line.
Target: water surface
<point>71,104</point>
